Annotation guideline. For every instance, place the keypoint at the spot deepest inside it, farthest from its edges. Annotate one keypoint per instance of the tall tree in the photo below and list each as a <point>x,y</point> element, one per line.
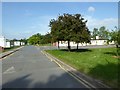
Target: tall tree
<point>115,36</point>
<point>69,28</point>
<point>81,34</point>
<point>103,33</point>
<point>95,33</point>
<point>56,27</point>
<point>35,39</point>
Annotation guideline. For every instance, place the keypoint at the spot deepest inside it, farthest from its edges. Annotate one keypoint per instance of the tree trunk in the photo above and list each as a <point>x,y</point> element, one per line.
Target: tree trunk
<point>77,45</point>
<point>58,45</point>
<point>68,45</point>
<point>117,45</point>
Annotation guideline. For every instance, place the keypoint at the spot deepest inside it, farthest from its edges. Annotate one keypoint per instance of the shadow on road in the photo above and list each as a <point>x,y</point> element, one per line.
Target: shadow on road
<point>54,81</point>
<point>19,82</point>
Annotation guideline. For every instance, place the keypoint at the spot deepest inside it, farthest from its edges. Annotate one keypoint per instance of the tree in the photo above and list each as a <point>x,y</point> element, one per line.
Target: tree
<point>24,40</point>
<point>69,28</point>
<point>115,36</point>
<point>103,33</point>
<point>46,39</point>
<point>35,39</point>
<point>81,33</point>
<point>95,33</point>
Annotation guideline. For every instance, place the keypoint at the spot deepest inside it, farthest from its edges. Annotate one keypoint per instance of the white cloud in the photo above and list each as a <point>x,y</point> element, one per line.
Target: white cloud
<point>109,23</point>
<point>91,9</point>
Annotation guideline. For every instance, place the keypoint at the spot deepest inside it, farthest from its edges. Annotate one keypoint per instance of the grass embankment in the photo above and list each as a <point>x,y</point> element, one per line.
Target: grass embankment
<point>49,44</point>
<point>8,49</point>
<point>100,63</point>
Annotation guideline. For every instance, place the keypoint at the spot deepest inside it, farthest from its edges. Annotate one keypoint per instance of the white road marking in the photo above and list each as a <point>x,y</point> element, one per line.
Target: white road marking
<point>9,70</point>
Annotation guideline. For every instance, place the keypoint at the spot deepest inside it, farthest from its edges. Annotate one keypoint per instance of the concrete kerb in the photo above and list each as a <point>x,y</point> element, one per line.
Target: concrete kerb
<point>90,82</point>
<point>10,52</point>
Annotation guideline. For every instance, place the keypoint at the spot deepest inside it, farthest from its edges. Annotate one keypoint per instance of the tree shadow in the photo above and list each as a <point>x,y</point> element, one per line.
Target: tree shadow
<point>54,81</point>
<point>77,50</point>
<point>108,73</point>
<point>21,82</point>
<point>111,53</point>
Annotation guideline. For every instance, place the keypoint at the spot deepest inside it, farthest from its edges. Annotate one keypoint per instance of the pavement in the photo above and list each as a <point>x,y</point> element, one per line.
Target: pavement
<point>30,68</point>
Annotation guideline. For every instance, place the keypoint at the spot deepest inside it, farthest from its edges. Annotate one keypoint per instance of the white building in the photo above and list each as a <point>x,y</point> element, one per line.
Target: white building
<point>8,44</point>
<point>16,43</point>
<point>97,41</point>
<point>2,41</point>
<point>22,43</point>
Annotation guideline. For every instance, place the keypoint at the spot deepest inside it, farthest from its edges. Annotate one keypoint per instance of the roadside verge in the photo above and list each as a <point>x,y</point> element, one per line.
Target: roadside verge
<point>5,54</point>
<point>88,81</point>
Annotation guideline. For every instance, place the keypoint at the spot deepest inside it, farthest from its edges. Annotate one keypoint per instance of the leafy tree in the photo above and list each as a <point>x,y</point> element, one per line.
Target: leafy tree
<point>24,40</point>
<point>46,39</point>
<point>115,36</point>
<point>56,26</point>
<point>81,34</point>
<point>95,33</point>
<point>69,28</point>
<point>35,39</point>
<point>103,33</point>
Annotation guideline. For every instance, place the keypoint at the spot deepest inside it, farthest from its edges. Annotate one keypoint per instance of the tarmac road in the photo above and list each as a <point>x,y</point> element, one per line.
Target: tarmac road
<point>29,68</point>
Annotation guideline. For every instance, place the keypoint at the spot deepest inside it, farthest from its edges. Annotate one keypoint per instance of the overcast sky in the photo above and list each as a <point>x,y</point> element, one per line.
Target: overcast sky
<point>21,20</point>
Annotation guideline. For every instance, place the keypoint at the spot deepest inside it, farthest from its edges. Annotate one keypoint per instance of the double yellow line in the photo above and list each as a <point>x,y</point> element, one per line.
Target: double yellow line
<point>82,81</point>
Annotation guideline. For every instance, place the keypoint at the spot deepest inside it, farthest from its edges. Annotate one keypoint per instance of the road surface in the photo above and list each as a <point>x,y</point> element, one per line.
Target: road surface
<point>29,68</point>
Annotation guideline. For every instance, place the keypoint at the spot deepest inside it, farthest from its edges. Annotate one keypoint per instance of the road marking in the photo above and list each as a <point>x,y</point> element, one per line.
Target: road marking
<point>9,70</point>
<point>74,76</point>
<point>71,74</point>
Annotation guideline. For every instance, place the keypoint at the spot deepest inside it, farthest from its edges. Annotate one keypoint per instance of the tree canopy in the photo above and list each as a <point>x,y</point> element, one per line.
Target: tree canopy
<point>69,27</point>
<point>38,39</point>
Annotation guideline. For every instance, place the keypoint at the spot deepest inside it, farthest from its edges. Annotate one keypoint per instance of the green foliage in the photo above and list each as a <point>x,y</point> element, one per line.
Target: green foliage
<point>105,68</point>
<point>35,39</point>
<point>115,36</point>
<point>38,39</point>
<point>95,33</point>
<point>24,40</point>
<point>102,32</point>
<point>69,27</point>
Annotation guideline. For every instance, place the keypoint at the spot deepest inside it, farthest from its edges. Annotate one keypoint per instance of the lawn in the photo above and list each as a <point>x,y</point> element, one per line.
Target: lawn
<point>49,44</point>
<point>100,63</point>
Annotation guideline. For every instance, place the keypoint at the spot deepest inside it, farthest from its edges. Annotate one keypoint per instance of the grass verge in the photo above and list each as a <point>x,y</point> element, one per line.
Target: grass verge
<point>8,49</point>
<point>100,63</point>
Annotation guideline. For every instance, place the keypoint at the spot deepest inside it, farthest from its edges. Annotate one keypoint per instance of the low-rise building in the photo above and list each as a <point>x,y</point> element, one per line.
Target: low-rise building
<point>22,43</point>
<point>7,44</point>
<point>16,43</point>
<point>2,41</point>
<point>96,41</point>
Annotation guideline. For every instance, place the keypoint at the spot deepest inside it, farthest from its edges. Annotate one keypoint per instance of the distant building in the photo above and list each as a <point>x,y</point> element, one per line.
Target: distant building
<point>7,44</point>
<point>2,41</point>
<point>16,43</point>
<point>22,43</point>
<point>96,41</point>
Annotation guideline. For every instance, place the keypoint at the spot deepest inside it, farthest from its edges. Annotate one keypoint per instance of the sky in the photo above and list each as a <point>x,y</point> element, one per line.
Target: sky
<point>23,19</point>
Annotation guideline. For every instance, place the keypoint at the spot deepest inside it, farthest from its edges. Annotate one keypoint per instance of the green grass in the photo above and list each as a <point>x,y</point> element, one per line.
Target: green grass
<point>8,49</point>
<point>98,63</point>
<point>49,44</point>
